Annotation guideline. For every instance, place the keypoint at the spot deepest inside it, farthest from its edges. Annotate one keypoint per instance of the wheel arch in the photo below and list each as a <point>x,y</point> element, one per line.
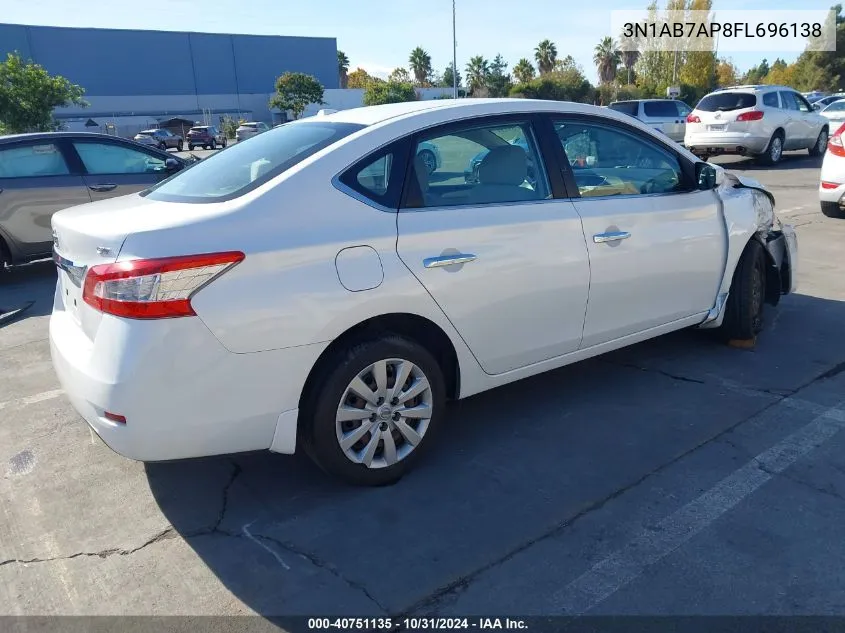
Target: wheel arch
<point>413,326</point>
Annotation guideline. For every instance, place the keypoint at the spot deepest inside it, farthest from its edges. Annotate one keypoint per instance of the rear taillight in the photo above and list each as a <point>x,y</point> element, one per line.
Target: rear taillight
<point>153,288</point>
<point>829,185</point>
<point>754,115</point>
<point>834,144</point>
<point>693,118</point>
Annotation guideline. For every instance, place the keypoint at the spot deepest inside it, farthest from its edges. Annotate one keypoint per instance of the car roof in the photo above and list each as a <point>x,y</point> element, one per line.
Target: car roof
<point>50,135</point>
<point>753,88</point>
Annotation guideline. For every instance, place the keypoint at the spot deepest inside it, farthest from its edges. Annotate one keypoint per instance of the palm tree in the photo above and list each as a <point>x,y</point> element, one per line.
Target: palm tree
<point>477,70</point>
<point>606,59</point>
<point>545,54</point>
<point>523,71</point>
<point>629,59</point>
<point>342,68</point>
<point>420,65</point>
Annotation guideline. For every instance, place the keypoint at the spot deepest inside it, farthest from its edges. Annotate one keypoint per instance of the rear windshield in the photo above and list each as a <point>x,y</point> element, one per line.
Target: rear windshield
<point>724,101</point>
<point>245,166</point>
<point>627,107</point>
<point>198,129</point>
<point>250,125</point>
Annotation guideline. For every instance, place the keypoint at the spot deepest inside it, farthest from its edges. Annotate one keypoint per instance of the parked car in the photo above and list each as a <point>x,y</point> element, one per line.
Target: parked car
<point>832,179</point>
<point>279,295</point>
<point>206,136</point>
<point>820,104</point>
<point>835,112</point>
<point>248,130</point>
<point>758,121</point>
<point>666,115</point>
<point>43,173</point>
<point>163,139</point>
<point>430,156</point>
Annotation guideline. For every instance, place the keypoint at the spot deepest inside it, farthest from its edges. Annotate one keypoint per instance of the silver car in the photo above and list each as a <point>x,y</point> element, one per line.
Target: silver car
<point>665,115</point>
<point>46,172</point>
<point>163,139</point>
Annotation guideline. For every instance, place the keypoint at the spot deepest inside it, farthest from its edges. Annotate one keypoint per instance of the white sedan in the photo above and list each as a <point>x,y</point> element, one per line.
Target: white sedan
<point>318,287</point>
<point>832,180</point>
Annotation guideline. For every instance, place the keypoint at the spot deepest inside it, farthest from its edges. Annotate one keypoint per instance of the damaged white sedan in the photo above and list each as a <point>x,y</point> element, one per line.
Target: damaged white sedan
<point>321,286</point>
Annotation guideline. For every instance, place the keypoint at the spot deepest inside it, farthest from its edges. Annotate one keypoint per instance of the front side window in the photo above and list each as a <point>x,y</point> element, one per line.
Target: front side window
<point>801,102</point>
<point>662,109</point>
<point>788,100</point>
<point>479,164</point>
<point>836,106</point>
<point>245,166</point>
<point>112,159</point>
<point>683,108</point>
<point>32,161</point>
<point>608,161</point>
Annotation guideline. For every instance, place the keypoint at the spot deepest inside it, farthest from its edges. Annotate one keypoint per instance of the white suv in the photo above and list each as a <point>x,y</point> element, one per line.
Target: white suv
<point>760,121</point>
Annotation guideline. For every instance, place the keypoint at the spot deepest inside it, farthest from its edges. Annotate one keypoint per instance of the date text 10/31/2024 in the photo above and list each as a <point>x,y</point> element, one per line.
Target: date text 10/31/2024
<point>416,624</point>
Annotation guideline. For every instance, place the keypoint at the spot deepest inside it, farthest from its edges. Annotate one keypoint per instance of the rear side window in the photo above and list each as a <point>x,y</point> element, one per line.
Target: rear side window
<point>246,166</point>
<point>660,108</point>
<point>32,161</point>
<point>770,99</point>
<point>626,107</point>
<point>726,101</point>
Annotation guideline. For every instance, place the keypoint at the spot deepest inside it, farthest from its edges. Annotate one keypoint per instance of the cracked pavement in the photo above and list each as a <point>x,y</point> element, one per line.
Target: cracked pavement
<point>679,476</point>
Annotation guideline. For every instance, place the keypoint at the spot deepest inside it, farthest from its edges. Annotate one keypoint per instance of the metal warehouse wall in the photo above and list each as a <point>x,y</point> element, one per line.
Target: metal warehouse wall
<point>127,63</point>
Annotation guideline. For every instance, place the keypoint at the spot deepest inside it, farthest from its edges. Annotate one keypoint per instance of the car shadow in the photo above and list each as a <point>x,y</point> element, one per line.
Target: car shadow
<point>27,291</point>
<point>790,160</point>
<point>511,466</point>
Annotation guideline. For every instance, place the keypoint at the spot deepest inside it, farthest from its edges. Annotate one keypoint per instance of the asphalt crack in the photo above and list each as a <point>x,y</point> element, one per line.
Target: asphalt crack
<point>656,371</point>
<point>798,480</point>
<point>236,471</point>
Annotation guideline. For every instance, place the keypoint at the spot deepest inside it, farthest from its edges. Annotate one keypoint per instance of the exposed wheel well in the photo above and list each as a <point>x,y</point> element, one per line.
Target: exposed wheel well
<point>5,254</point>
<point>412,326</point>
<point>775,281</point>
<point>780,131</point>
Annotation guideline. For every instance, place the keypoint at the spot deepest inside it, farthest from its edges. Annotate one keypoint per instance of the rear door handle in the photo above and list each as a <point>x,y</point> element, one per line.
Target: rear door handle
<point>448,260</point>
<point>613,236</point>
<point>103,187</point>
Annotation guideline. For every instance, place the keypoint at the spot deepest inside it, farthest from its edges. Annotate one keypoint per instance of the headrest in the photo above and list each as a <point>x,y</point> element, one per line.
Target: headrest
<point>505,165</point>
<point>421,169</point>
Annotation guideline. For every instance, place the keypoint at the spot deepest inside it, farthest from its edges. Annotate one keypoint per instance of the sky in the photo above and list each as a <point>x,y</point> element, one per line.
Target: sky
<point>378,35</point>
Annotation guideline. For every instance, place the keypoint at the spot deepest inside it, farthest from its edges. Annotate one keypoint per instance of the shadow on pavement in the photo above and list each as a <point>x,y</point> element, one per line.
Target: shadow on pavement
<point>517,464</point>
<point>790,160</point>
<point>27,291</point>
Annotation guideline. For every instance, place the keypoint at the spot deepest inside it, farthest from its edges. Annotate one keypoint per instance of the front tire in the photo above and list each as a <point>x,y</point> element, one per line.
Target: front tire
<point>744,310</point>
<point>179,146</point>
<point>373,410</point>
<point>213,144</point>
<point>821,144</point>
<point>833,210</point>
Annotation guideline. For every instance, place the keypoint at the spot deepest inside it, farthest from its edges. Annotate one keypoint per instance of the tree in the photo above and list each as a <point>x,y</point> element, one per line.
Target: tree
<point>29,94</point>
<point>378,93</point>
<point>342,68</point>
<point>726,73</point>
<point>545,54</point>
<point>400,76</point>
<point>629,59</point>
<point>448,78</point>
<point>523,71</point>
<point>606,57</point>
<point>477,70</point>
<point>421,66</point>
<point>360,78</point>
<point>498,81</point>
<point>781,74</point>
<point>755,74</point>
<point>294,91</point>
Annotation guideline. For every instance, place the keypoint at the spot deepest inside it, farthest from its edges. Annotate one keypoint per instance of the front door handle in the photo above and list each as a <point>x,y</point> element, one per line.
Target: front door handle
<point>614,236</point>
<point>103,187</point>
<point>448,260</point>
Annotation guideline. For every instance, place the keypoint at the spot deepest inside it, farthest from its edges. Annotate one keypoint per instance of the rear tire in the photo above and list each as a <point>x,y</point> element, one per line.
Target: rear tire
<point>774,150</point>
<point>331,389</point>
<point>179,146</point>
<point>213,144</point>
<point>821,144</point>
<point>833,210</point>
<point>162,146</point>
<point>190,147</point>
<point>744,310</point>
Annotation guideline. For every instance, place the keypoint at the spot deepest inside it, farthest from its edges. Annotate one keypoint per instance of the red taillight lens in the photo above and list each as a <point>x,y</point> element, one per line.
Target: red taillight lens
<point>754,115</point>
<point>829,185</point>
<point>834,144</point>
<point>153,288</point>
<point>693,118</point>
<point>114,417</point>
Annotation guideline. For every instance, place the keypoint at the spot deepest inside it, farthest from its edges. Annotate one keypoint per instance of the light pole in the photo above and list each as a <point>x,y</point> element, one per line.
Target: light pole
<point>454,53</point>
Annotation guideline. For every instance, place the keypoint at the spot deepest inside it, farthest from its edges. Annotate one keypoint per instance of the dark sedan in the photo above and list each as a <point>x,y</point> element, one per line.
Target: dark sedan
<point>46,172</point>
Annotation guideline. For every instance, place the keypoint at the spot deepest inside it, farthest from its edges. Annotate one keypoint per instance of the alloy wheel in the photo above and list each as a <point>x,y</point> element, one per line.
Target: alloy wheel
<point>776,150</point>
<point>384,413</point>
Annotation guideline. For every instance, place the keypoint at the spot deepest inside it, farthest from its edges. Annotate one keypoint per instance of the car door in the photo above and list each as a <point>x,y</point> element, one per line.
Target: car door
<point>111,168</point>
<point>794,123</point>
<point>811,121</point>
<point>505,261</point>
<point>656,242</point>
<point>662,115</point>
<point>36,180</point>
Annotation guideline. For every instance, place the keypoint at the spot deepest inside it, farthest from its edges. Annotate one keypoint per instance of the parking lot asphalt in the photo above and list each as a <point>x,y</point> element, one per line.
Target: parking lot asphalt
<point>676,477</point>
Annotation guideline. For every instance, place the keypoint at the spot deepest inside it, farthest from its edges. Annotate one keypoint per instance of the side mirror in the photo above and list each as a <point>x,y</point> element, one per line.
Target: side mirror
<point>705,173</point>
<point>171,165</point>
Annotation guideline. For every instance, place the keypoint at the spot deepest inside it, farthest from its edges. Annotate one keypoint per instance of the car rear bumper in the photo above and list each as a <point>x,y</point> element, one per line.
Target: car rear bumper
<point>725,143</point>
<point>182,393</point>
<point>832,195</point>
